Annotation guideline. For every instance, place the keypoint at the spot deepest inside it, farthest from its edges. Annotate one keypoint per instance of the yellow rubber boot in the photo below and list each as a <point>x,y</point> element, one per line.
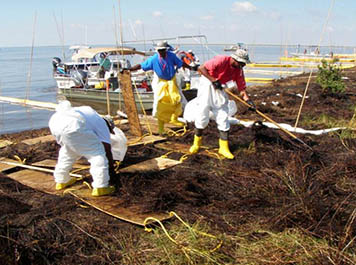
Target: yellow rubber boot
<point>196,145</point>
<point>160,127</point>
<point>175,121</point>
<point>61,186</point>
<point>224,149</point>
<point>103,191</point>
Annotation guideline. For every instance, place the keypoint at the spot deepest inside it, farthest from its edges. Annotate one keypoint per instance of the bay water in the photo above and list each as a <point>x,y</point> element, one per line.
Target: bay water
<point>27,76</point>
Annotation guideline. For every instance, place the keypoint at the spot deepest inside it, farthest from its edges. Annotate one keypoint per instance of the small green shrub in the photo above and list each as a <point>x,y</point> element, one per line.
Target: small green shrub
<point>329,78</point>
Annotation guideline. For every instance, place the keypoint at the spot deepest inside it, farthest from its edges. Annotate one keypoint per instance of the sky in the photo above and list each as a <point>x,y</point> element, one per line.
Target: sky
<point>95,22</point>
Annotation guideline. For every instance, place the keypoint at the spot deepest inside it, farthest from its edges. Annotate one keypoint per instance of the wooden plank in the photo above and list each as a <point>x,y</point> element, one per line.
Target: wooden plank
<point>184,148</point>
<point>41,139</point>
<point>112,205</point>
<point>4,167</point>
<point>52,163</point>
<point>130,104</point>
<point>155,164</point>
<point>4,143</point>
<point>37,180</point>
<point>134,141</point>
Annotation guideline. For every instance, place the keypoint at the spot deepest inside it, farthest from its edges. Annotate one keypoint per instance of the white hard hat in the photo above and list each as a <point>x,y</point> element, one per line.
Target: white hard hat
<point>241,55</point>
<point>162,45</point>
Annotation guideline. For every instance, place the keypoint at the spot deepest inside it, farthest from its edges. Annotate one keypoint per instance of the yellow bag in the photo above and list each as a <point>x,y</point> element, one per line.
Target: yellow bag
<point>168,100</point>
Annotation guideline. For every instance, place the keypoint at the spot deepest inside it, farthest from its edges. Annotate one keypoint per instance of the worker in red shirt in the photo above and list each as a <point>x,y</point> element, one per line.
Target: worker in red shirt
<point>219,72</point>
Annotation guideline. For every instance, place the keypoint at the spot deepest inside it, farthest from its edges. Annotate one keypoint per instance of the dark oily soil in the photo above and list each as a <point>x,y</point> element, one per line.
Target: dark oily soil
<point>273,180</point>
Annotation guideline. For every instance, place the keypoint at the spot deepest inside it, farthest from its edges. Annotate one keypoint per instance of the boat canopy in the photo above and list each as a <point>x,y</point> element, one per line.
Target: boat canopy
<point>91,52</point>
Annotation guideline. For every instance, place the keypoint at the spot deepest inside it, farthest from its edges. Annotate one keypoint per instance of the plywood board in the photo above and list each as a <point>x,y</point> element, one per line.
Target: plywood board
<point>4,143</point>
<point>111,205</point>
<point>4,167</point>
<point>134,141</point>
<point>42,139</point>
<point>184,148</point>
<point>36,180</point>
<point>155,164</point>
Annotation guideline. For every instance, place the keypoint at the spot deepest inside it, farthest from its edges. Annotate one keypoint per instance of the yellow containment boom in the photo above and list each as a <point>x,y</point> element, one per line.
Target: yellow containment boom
<point>319,59</point>
<point>27,102</point>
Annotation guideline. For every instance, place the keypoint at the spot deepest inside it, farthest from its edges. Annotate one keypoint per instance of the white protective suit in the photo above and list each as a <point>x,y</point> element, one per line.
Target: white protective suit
<point>212,100</point>
<point>80,132</point>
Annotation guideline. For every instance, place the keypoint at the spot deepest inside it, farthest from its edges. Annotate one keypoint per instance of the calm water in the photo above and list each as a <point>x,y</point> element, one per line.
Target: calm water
<point>15,80</point>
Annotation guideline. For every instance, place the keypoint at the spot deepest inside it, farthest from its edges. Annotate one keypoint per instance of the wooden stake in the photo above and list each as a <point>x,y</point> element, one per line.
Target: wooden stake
<point>107,96</point>
<point>130,104</point>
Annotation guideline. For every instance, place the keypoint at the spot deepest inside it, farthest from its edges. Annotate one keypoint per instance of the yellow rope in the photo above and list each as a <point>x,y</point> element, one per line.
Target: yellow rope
<point>194,231</point>
<point>178,133</point>
<point>143,109</point>
<point>184,157</point>
<point>20,160</point>
<point>117,166</point>
<point>166,155</point>
<point>214,154</point>
<point>79,169</point>
<point>138,139</point>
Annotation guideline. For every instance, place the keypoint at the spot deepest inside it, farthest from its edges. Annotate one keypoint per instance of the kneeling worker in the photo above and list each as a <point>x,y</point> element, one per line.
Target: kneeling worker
<point>216,73</point>
<point>81,131</point>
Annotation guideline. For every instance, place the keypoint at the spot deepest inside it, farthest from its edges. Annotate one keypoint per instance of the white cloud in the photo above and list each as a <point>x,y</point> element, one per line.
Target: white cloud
<point>243,7</point>
<point>208,17</point>
<point>157,13</point>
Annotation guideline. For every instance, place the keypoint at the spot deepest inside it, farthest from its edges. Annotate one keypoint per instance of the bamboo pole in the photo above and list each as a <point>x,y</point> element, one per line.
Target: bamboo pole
<point>268,118</point>
<point>37,168</point>
<point>311,72</point>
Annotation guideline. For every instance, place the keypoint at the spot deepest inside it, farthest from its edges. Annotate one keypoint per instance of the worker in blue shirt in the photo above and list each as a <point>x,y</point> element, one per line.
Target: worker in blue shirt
<point>167,100</point>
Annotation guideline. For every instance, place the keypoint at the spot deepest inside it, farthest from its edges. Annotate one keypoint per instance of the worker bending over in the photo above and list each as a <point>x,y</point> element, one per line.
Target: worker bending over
<point>217,73</point>
<point>81,131</point>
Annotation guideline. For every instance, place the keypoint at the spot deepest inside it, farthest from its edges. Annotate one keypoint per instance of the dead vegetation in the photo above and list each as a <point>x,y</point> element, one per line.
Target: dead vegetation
<point>277,202</point>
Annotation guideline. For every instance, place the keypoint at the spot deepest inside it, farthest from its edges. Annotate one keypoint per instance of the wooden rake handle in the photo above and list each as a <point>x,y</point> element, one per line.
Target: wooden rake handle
<point>267,118</point>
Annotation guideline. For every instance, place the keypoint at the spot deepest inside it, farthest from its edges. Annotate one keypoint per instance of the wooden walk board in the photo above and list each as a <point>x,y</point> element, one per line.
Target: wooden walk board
<point>36,180</point>
<point>111,205</point>
<point>155,164</point>
<point>4,143</point>
<point>42,139</point>
<point>134,141</point>
<point>4,167</point>
<point>52,163</point>
<point>183,148</point>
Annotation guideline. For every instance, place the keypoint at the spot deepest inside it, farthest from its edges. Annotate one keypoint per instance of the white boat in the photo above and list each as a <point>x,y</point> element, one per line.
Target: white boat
<point>82,81</point>
<point>85,70</point>
<point>233,48</point>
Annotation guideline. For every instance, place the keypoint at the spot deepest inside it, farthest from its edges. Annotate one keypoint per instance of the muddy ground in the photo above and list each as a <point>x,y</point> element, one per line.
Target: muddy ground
<point>273,180</point>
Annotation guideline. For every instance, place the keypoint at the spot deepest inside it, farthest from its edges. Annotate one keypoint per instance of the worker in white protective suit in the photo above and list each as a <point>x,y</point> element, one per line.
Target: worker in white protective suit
<point>81,131</point>
<point>217,73</point>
